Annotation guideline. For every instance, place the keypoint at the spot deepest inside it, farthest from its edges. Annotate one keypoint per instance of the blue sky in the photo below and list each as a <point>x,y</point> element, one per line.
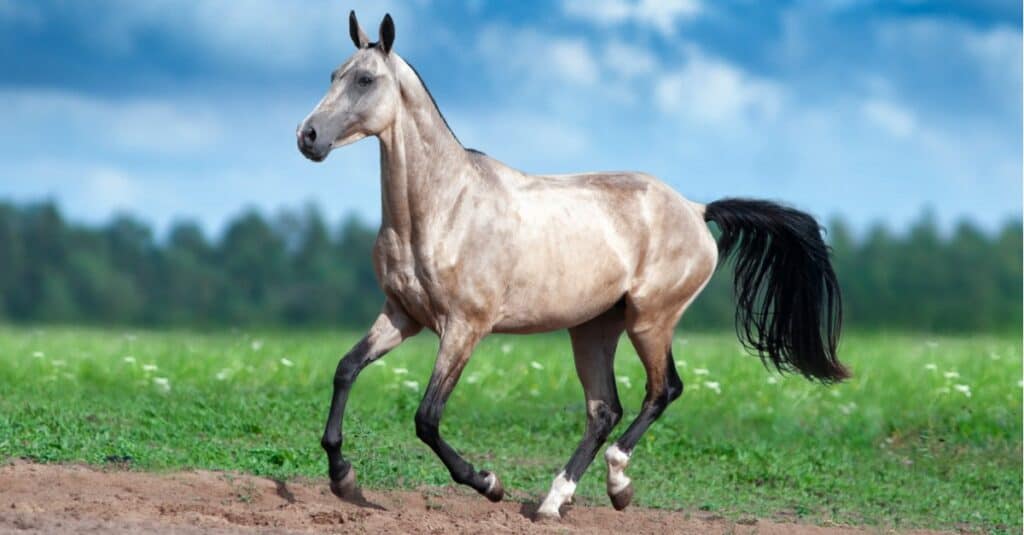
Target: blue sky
<point>868,110</point>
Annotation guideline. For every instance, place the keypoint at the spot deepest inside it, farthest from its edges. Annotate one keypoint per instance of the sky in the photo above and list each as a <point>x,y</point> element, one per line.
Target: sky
<point>874,111</point>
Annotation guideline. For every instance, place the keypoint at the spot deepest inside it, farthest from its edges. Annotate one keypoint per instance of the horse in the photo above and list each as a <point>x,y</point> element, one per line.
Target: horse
<point>469,246</point>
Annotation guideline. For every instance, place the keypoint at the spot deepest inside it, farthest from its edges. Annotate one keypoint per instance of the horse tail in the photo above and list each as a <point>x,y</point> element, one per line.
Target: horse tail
<point>789,308</point>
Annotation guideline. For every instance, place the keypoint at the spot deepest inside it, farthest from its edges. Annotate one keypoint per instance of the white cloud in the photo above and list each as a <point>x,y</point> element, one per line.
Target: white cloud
<point>109,190</point>
<point>571,58</point>
<point>890,117</point>
<point>662,15</point>
<point>628,61</point>
<point>713,91</point>
<point>148,125</point>
<point>997,51</point>
<point>535,142</point>
<point>269,32</point>
<point>527,55</point>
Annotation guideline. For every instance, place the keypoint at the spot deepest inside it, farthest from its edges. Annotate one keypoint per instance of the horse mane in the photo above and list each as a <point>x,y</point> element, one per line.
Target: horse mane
<point>432,101</point>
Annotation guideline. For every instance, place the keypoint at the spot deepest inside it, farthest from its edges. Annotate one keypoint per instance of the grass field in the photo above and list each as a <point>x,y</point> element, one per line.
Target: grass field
<point>927,434</point>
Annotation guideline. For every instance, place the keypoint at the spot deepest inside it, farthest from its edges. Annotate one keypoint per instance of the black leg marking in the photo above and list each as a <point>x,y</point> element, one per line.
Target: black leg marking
<point>343,481</point>
<point>593,345</point>
<point>451,360</point>
<point>653,407</point>
<point>387,332</point>
<point>600,423</point>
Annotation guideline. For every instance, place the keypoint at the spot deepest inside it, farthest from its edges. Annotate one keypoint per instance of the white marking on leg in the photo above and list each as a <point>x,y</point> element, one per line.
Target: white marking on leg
<point>491,479</point>
<point>561,490</point>
<point>617,461</point>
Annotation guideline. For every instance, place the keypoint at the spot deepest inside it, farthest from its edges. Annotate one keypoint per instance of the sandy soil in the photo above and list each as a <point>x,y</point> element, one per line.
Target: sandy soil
<point>38,498</point>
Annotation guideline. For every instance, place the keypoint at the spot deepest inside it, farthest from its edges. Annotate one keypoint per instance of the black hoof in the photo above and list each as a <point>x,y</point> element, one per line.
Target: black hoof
<point>346,487</point>
<point>495,491</point>
<point>621,500</point>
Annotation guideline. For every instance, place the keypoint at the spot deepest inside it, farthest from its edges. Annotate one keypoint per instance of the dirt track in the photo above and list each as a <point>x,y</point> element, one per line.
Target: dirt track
<point>63,499</point>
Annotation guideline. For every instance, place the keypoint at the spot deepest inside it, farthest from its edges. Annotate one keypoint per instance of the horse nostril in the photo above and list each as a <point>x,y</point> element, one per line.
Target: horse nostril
<point>309,134</point>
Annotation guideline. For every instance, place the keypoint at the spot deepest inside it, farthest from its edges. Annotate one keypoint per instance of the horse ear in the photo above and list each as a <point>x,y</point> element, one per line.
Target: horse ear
<point>387,33</point>
<point>359,38</point>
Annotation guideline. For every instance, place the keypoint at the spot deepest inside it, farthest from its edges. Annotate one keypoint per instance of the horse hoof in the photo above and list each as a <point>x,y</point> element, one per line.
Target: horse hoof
<point>495,491</point>
<point>546,516</point>
<point>622,499</point>
<point>346,487</point>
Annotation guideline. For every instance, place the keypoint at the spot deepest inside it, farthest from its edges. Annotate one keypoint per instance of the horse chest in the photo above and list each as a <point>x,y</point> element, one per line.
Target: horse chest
<point>397,271</point>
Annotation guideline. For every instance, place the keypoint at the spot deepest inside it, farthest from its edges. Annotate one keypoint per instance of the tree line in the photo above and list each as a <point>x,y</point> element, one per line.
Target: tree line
<point>297,269</point>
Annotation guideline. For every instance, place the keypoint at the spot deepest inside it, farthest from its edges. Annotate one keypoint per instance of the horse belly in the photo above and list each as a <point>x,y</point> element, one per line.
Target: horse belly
<point>562,294</point>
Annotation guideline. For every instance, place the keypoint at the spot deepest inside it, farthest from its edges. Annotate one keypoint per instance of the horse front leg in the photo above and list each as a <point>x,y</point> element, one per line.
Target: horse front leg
<point>390,328</point>
<point>457,345</point>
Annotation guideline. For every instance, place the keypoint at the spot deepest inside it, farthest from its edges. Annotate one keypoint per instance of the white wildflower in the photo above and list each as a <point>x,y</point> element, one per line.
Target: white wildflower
<point>681,364</point>
<point>223,374</point>
<point>411,385</point>
<point>951,375</point>
<point>149,367</point>
<point>773,380</point>
<point>700,371</point>
<point>400,371</point>
<point>162,383</point>
<point>624,381</point>
<point>129,359</point>
<point>38,354</point>
<point>286,362</point>
<point>378,363</point>
<point>536,365</point>
<point>963,389</point>
<point>993,355</point>
<point>58,363</point>
<point>473,378</point>
<point>506,348</point>
<point>713,385</point>
<point>257,345</point>
<point>847,408</point>
<point>931,367</point>
<point>534,392</point>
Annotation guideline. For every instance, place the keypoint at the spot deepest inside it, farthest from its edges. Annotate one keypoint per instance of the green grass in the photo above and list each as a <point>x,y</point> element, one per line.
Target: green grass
<point>900,445</point>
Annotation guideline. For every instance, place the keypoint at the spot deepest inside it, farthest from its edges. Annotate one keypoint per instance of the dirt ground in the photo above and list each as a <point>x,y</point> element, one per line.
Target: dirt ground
<point>37,498</point>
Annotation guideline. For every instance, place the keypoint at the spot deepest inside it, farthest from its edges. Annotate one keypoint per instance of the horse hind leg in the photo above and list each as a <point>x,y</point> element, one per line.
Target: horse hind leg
<point>654,346</point>
<point>593,345</point>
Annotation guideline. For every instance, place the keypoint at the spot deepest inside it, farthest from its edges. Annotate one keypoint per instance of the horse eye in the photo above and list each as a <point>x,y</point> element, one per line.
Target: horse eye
<point>365,80</point>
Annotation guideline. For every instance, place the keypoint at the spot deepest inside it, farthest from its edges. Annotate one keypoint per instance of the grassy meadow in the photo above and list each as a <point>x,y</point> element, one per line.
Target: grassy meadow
<point>927,434</point>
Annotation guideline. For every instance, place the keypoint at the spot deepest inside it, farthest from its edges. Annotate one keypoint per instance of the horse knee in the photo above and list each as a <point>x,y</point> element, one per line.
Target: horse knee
<point>426,425</point>
<point>346,372</point>
<point>331,442</point>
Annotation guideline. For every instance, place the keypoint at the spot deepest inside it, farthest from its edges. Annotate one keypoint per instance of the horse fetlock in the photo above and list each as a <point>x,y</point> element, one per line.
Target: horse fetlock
<point>620,488</point>
<point>562,490</point>
<point>345,487</point>
<point>493,490</point>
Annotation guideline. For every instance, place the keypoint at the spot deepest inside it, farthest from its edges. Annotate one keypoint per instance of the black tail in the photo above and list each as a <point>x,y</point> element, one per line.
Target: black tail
<point>789,308</point>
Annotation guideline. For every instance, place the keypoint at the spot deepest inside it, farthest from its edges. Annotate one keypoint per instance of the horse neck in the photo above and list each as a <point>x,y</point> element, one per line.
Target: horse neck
<point>422,164</point>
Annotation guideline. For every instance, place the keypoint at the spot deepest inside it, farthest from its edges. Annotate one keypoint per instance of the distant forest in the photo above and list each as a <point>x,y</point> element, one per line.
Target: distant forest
<point>297,269</point>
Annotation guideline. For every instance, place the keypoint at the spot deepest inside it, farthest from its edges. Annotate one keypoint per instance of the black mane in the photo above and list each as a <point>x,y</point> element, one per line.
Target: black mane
<point>434,102</point>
